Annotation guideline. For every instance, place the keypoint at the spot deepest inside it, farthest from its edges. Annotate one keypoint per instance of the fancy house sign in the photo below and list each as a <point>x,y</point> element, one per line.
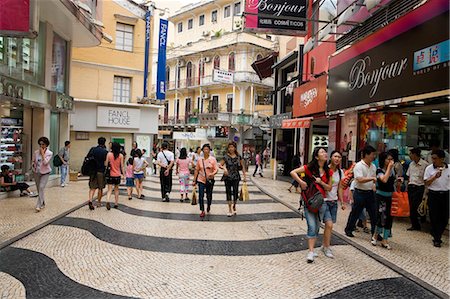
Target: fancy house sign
<point>117,117</point>
<point>410,63</point>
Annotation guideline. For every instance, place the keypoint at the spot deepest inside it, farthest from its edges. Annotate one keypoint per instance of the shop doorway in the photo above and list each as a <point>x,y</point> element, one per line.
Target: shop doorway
<point>54,135</point>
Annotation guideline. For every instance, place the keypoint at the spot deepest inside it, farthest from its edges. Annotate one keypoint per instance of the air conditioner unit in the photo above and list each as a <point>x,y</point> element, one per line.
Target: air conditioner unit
<point>181,63</point>
<point>207,59</point>
<point>205,96</point>
<point>205,33</point>
<point>238,24</point>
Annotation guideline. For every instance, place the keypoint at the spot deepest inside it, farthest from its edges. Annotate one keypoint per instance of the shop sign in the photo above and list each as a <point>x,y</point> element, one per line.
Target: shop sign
<point>15,17</point>
<point>242,119</point>
<point>118,117</point>
<point>223,76</point>
<point>296,123</point>
<point>199,134</point>
<point>394,67</point>
<point>276,121</point>
<point>10,89</point>
<point>286,17</point>
<point>311,97</point>
<point>222,132</point>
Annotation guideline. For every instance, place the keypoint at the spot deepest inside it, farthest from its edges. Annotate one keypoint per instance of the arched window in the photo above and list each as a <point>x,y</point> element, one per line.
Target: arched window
<point>259,56</point>
<point>167,74</point>
<point>189,74</point>
<point>201,70</point>
<point>231,62</point>
<point>217,62</point>
<point>178,74</point>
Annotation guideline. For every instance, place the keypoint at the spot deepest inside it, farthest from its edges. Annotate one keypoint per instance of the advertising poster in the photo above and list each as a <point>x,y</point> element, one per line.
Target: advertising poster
<point>347,144</point>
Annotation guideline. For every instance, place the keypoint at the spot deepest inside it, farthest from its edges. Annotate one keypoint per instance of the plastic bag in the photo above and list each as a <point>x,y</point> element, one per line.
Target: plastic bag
<point>244,191</point>
<point>194,196</point>
<point>400,204</point>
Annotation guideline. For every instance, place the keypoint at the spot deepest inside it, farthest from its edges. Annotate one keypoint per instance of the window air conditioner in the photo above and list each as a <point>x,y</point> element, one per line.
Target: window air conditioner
<point>205,96</point>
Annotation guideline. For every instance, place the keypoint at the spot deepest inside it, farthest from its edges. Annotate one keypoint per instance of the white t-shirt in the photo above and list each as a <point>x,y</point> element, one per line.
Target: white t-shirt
<point>139,162</point>
<point>333,194</point>
<point>164,162</point>
<point>362,170</point>
<point>440,184</point>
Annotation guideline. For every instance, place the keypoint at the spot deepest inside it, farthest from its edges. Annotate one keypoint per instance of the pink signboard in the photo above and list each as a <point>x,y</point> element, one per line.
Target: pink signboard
<point>14,17</point>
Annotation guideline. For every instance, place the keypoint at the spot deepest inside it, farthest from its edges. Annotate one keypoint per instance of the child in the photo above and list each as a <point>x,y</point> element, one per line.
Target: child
<point>129,178</point>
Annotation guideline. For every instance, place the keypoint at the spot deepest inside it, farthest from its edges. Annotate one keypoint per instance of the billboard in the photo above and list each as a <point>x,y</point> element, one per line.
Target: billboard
<point>283,17</point>
<point>161,71</point>
<point>14,17</point>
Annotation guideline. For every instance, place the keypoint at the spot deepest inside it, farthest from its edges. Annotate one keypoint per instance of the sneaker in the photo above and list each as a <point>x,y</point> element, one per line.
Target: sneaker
<point>38,210</point>
<point>108,206</point>
<point>91,206</point>
<point>327,252</point>
<point>349,234</point>
<point>62,185</point>
<point>310,257</point>
<point>373,241</point>
<point>166,198</point>
<point>229,214</point>
<point>32,194</point>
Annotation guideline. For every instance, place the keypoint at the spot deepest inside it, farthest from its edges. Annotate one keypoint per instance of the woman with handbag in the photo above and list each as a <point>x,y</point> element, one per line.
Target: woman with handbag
<point>139,167</point>
<point>385,188</point>
<point>205,171</point>
<point>42,169</point>
<point>114,165</point>
<point>231,164</point>
<point>182,170</point>
<point>317,180</point>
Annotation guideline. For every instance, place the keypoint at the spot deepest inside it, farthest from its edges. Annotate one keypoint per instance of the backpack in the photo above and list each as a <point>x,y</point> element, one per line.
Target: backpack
<point>89,166</point>
<point>57,161</point>
<point>312,197</point>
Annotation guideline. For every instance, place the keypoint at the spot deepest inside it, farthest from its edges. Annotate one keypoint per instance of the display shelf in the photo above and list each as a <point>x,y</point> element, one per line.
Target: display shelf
<point>11,146</point>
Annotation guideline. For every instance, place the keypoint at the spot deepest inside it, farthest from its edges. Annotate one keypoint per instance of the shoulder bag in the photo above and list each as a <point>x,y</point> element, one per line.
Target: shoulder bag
<point>312,197</point>
<point>208,181</point>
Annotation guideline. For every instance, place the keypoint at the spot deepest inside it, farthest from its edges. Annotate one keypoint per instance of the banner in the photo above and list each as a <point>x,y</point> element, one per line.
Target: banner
<point>310,98</point>
<point>284,17</point>
<point>161,73</point>
<point>14,17</point>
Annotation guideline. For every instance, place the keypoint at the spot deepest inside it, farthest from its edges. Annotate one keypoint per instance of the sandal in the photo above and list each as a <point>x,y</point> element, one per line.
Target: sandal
<point>373,241</point>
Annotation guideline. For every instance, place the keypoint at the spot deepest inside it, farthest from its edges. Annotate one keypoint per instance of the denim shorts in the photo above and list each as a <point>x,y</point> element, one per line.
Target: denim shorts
<point>313,223</point>
<point>139,176</point>
<point>328,211</point>
<point>129,182</point>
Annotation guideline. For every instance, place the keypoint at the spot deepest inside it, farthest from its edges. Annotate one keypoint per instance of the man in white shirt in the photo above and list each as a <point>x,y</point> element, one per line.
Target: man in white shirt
<point>435,145</point>
<point>437,179</point>
<point>165,160</point>
<point>364,174</point>
<point>416,186</point>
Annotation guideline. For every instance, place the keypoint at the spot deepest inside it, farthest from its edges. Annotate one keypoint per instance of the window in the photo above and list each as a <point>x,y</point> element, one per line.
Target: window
<point>229,103</point>
<point>189,81</point>
<point>199,105</point>
<point>178,80</point>
<point>201,71</point>
<point>177,109</point>
<point>166,112</point>
<point>201,20</point>
<point>217,62</point>
<point>124,37</point>
<point>180,27</point>
<point>259,56</point>
<point>167,74</point>
<point>231,62</point>
<point>227,11</point>
<point>187,109</point>
<point>122,89</point>
<point>2,49</point>
<point>237,8</point>
<point>59,63</point>
<point>214,104</point>
<point>190,23</point>
<point>214,16</point>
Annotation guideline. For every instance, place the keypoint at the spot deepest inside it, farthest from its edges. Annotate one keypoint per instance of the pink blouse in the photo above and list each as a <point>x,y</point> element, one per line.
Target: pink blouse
<point>42,165</point>
<point>183,166</point>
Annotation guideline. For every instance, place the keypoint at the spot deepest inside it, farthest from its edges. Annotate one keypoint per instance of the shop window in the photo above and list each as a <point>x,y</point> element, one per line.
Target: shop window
<point>214,16</point>
<point>227,11</point>
<point>124,37</point>
<point>2,49</point>
<point>217,62</point>
<point>201,20</point>
<point>190,24</point>
<point>59,63</point>
<point>230,103</point>
<point>237,8</point>
<point>122,89</point>
<point>81,135</point>
<point>180,27</point>
<point>231,62</point>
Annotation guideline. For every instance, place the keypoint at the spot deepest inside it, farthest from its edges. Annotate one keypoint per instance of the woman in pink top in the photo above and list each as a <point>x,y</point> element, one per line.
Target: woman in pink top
<point>129,178</point>
<point>204,174</point>
<point>115,161</point>
<point>183,173</point>
<point>42,170</point>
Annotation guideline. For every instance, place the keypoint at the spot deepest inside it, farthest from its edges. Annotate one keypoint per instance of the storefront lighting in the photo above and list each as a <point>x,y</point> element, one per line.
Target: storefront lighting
<point>405,114</point>
<point>341,115</point>
<point>393,106</point>
<point>444,118</point>
<point>435,111</point>
<point>418,112</point>
<point>373,109</point>
<point>419,102</point>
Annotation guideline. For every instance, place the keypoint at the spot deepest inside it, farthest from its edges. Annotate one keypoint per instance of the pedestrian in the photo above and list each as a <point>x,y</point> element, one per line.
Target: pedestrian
<point>165,161</point>
<point>435,145</point>
<point>114,160</point>
<point>196,156</point>
<point>177,152</point>
<point>266,155</point>
<point>205,170</point>
<point>182,170</point>
<point>231,163</point>
<point>154,156</point>
<point>328,212</point>
<point>139,166</point>
<point>247,155</point>
<point>363,196</point>
<point>258,165</point>
<point>296,163</point>
<point>42,169</point>
<point>437,179</point>
<point>64,155</point>
<point>7,184</point>
<point>362,219</point>
<point>97,177</point>
<point>134,147</point>
<point>416,186</point>
<point>129,178</point>
<point>385,188</point>
<point>318,173</point>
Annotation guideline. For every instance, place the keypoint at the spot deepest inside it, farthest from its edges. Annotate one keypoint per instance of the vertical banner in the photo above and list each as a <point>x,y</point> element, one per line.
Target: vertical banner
<point>14,17</point>
<point>148,15</point>
<point>161,74</point>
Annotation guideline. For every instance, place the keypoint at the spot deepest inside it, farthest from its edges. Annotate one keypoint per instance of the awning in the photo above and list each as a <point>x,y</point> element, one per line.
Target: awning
<point>297,123</point>
<point>263,66</point>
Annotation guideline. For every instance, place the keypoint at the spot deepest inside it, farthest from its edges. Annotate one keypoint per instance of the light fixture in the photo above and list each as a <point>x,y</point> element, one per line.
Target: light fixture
<point>393,106</point>
<point>419,102</point>
<point>418,112</point>
<point>373,109</point>
<point>405,114</point>
<point>341,115</point>
<point>436,111</point>
<point>444,118</point>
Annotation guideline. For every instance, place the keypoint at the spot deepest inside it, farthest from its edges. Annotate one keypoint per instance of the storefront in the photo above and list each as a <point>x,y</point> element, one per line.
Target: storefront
<point>310,102</point>
<point>191,140</point>
<point>396,82</point>
<point>117,122</point>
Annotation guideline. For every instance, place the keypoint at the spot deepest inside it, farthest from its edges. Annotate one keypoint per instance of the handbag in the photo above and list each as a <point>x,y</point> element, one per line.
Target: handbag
<point>194,196</point>
<point>208,181</point>
<point>245,194</point>
<point>108,172</point>
<point>400,204</point>
<point>423,207</point>
<point>312,197</point>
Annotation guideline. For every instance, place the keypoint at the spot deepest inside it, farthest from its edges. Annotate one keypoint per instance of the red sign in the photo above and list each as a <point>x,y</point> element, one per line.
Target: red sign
<point>310,98</point>
<point>14,16</point>
<point>296,123</point>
